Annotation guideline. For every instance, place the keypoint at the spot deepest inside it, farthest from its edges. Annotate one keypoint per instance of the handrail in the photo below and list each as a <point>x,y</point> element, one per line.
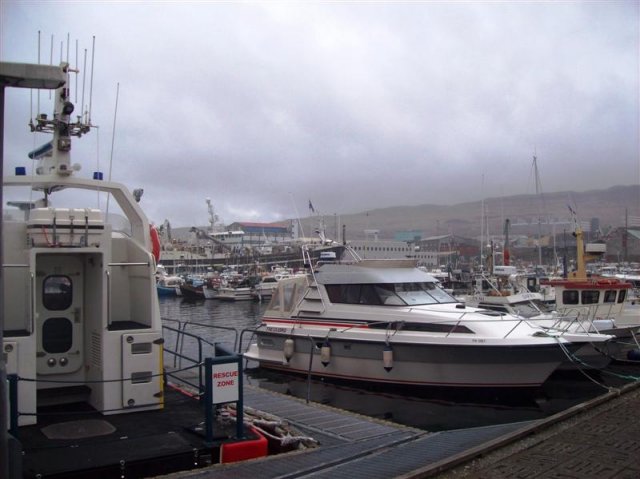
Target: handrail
<point>213,326</point>
<point>179,354</point>
<point>140,263</point>
<point>247,330</point>
<point>178,337</point>
<point>307,258</point>
<point>108,274</point>
<point>32,301</point>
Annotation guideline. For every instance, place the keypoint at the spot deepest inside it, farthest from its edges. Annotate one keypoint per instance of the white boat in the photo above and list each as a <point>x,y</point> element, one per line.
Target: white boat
<point>534,308</point>
<point>387,321</point>
<point>592,297</point>
<point>210,292</point>
<point>264,289</point>
<point>80,304</point>
<point>229,293</point>
<point>167,285</point>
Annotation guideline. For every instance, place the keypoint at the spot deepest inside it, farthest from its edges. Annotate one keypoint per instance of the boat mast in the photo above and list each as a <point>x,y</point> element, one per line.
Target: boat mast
<point>581,270</point>
<point>506,254</point>
<point>482,226</point>
<point>539,195</point>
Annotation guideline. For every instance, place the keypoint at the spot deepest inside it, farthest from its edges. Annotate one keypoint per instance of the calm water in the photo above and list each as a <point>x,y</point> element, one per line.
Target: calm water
<point>431,409</point>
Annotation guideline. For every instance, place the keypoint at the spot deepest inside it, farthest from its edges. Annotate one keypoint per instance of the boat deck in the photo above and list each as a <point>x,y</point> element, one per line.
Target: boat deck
<point>598,438</point>
<point>594,439</point>
<point>76,441</point>
<point>351,445</point>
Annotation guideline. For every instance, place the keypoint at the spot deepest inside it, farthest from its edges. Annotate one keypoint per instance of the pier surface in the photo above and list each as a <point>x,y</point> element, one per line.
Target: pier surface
<point>597,439</point>
<point>600,438</point>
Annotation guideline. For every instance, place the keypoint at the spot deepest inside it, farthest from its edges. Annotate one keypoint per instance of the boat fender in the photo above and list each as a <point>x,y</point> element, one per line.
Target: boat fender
<point>288,349</point>
<point>155,242</point>
<point>325,353</point>
<point>387,358</point>
<point>633,355</point>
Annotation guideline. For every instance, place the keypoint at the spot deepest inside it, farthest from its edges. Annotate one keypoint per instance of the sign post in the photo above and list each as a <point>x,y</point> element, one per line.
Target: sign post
<point>223,384</point>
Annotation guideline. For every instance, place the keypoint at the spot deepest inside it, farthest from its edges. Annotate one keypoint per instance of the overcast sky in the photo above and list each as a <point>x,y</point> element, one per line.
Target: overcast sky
<point>263,106</point>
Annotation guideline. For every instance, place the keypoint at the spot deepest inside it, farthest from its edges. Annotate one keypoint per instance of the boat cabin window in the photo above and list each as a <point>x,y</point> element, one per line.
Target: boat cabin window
<point>570,297</point>
<point>610,296</point>
<point>622,296</point>
<point>423,327</point>
<point>57,294</point>
<point>590,297</point>
<point>388,294</point>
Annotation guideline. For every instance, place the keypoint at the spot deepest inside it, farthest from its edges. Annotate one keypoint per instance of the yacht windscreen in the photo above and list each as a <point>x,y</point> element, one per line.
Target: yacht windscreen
<point>388,294</point>
<point>529,309</point>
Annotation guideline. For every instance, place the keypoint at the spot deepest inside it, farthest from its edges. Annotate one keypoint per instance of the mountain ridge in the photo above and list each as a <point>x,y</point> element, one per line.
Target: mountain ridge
<point>609,206</point>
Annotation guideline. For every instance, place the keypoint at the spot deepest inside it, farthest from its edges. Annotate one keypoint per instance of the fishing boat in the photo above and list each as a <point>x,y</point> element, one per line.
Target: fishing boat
<point>264,289</point>
<point>166,284</point>
<point>387,321</point>
<point>596,299</point>
<point>235,293</point>
<point>508,295</point>
<point>192,288</point>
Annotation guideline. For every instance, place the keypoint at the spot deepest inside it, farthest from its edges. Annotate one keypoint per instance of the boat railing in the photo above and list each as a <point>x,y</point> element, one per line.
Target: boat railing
<point>242,341</point>
<point>189,350</point>
<point>307,260</point>
<point>560,326</point>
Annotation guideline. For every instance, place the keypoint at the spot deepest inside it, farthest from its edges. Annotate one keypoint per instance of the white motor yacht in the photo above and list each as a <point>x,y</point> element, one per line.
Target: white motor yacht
<point>386,321</point>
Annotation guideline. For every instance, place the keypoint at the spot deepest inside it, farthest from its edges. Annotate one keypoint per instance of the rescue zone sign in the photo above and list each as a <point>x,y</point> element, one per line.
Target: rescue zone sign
<point>225,383</point>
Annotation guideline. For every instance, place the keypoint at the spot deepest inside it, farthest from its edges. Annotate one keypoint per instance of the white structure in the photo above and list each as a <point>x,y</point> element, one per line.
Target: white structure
<point>80,306</point>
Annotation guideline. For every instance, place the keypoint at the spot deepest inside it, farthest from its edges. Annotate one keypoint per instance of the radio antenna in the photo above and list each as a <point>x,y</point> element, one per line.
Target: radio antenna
<point>76,88</point>
<point>51,60</point>
<point>93,52</point>
<point>84,77</point>
<point>113,138</point>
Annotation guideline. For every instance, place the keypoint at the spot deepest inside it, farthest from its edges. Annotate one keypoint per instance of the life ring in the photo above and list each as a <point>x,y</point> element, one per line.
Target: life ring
<point>155,242</point>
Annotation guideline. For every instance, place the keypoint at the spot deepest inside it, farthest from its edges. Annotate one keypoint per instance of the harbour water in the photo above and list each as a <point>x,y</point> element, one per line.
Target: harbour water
<point>432,409</point>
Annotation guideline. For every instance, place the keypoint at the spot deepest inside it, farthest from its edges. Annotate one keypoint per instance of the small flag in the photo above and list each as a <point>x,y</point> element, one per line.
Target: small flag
<point>311,207</point>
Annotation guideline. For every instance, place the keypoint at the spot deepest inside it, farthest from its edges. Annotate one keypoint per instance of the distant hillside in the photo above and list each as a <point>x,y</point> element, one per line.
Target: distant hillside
<point>607,206</point>
<point>463,219</point>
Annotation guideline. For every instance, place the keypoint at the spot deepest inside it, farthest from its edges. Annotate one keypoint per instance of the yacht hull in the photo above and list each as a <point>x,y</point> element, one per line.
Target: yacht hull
<point>413,364</point>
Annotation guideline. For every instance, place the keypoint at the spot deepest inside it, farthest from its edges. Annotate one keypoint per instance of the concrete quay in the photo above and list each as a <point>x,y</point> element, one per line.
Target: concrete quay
<point>596,439</point>
<point>599,438</point>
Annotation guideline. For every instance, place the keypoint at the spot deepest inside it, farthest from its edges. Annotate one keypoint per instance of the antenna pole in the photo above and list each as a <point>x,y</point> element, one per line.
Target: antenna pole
<point>51,60</point>
<point>93,51</point>
<point>76,88</point>
<point>84,77</point>
<point>38,103</point>
<point>113,139</point>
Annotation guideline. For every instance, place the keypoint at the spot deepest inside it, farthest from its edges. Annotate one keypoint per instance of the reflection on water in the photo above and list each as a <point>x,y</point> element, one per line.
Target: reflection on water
<point>432,409</point>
